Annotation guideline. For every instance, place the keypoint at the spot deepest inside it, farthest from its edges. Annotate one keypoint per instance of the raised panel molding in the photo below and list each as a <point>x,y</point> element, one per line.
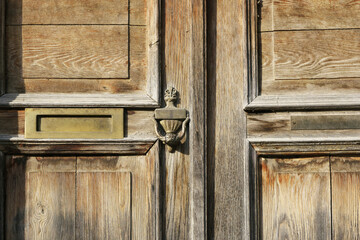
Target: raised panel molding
<point>68,197</point>
<point>45,67</point>
<point>289,73</point>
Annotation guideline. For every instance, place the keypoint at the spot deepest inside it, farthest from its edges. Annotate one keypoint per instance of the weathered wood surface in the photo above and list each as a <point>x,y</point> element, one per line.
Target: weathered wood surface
<point>103,201</point>
<point>138,11</point>
<point>12,122</point>
<point>16,198</point>
<point>278,126</point>
<point>345,174</point>
<point>142,192</point>
<point>94,65</point>
<point>314,55</point>
<point>75,51</point>
<point>304,102</point>
<point>226,145</point>
<point>19,145</point>
<point>311,46</point>
<point>153,46</point>
<point>77,12</point>
<point>294,146</point>
<point>40,198</point>
<point>67,12</point>
<point>50,194</point>
<point>139,124</point>
<point>310,62</point>
<point>86,197</point>
<point>309,14</point>
<point>77,100</point>
<point>183,68</point>
<point>135,83</point>
<point>295,199</point>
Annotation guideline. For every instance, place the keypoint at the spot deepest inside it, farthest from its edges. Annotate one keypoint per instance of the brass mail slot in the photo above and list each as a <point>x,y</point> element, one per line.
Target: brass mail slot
<point>328,122</point>
<point>67,123</point>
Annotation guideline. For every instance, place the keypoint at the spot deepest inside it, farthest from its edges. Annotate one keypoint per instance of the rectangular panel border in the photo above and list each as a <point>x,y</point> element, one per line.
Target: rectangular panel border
<point>257,148</point>
<point>152,153</point>
<point>147,99</point>
<point>258,103</point>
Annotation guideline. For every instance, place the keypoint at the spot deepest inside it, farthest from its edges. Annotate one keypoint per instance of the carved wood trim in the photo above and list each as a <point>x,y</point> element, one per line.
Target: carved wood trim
<point>79,147</point>
<point>77,100</point>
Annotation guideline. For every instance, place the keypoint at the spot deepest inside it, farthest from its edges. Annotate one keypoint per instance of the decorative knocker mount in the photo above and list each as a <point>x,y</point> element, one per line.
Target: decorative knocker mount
<point>171,119</point>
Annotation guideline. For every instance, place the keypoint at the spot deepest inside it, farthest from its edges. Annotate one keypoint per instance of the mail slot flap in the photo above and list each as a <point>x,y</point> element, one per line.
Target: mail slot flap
<point>78,123</point>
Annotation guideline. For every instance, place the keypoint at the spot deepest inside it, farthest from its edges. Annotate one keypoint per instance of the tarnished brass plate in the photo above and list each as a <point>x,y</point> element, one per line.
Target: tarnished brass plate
<point>329,122</point>
<point>170,113</point>
<point>67,123</point>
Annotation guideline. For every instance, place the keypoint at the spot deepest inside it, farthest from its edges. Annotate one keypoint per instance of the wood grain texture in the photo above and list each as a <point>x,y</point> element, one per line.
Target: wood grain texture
<point>103,205</point>
<point>13,56</point>
<point>138,79</point>
<point>309,14</point>
<point>12,122</point>
<point>304,102</point>
<point>317,54</point>
<point>67,12</point>
<point>316,147</point>
<point>109,194</point>
<point>144,194</point>
<point>19,145</point>
<point>139,124</point>
<point>153,48</point>
<point>77,100</point>
<point>295,199</point>
<point>345,173</point>
<point>75,51</point>
<point>265,12</point>
<point>177,52</point>
<point>16,198</point>
<point>197,135</point>
<point>41,193</point>
<point>227,165</point>
<point>183,68</point>
<point>313,87</point>
<point>310,63</point>
<point>50,207</point>
<point>278,126</point>
<point>138,12</point>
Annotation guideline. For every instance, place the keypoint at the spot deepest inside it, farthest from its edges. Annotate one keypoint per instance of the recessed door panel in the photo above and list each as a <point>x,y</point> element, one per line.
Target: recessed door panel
<point>295,198</point>
<point>309,47</point>
<point>99,197</point>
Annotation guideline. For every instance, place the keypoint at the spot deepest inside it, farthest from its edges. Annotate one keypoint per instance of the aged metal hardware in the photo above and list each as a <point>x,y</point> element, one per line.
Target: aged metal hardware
<point>328,122</point>
<point>66,123</point>
<point>171,119</point>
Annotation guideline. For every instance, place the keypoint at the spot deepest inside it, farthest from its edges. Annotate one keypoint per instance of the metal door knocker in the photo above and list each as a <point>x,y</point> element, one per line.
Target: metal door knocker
<point>171,119</point>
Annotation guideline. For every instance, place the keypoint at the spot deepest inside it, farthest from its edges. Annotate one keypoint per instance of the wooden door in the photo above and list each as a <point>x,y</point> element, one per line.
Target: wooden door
<point>90,71</point>
<point>302,120</point>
